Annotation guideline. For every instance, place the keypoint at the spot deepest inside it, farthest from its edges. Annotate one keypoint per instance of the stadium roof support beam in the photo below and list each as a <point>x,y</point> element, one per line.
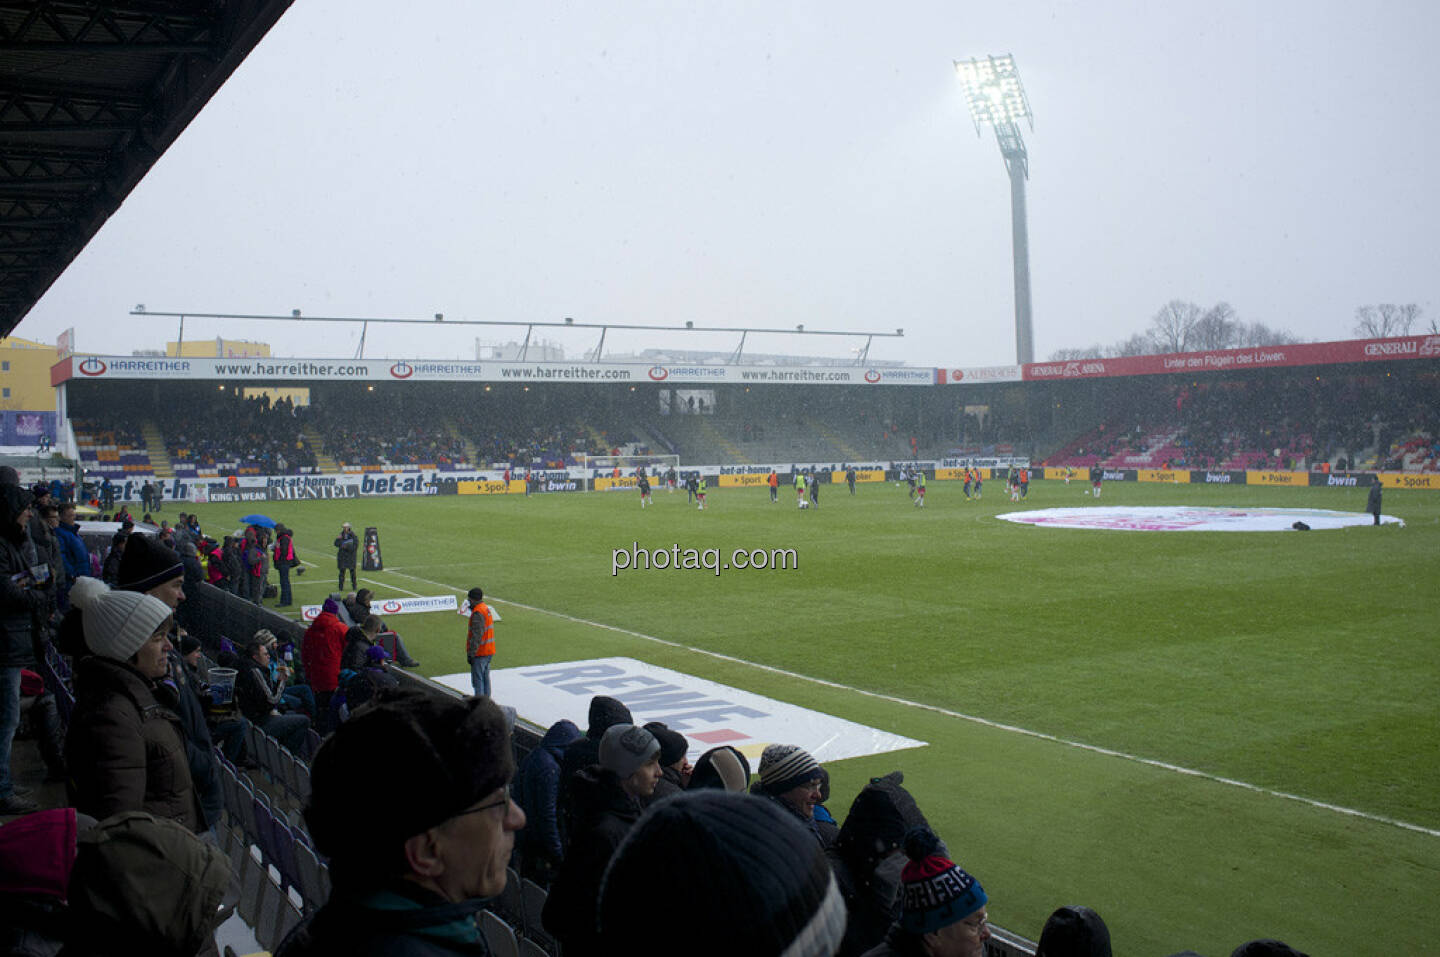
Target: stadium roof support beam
<point>530,326</point>
<point>996,98</point>
<point>92,93</point>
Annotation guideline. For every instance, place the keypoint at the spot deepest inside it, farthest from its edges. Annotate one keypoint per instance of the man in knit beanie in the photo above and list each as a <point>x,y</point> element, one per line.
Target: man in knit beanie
<point>581,754</point>
<point>607,800</point>
<point>674,769</point>
<point>791,777</point>
<point>943,908</point>
<point>714,859</point>
<point>410,801</point>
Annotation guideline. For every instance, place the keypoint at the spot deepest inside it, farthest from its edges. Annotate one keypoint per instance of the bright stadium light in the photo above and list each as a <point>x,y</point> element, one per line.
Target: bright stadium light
<point>997,98</point>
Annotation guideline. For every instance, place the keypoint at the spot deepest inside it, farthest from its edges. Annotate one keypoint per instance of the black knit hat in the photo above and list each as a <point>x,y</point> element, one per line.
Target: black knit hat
<point>1265,947</point>
<point>397,768</point>
<point>1074,931</point>
<point>879,817</point>
<point>603,713</point>
<point>147,563</point>
<point>672,743</point>
<point>717,859</point>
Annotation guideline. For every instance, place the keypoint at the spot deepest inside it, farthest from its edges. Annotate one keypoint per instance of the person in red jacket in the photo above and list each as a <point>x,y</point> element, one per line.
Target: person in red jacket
<point>320,652</point>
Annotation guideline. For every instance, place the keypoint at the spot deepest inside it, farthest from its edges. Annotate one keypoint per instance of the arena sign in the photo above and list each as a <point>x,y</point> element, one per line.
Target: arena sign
<point>707,713</point>
<point>1180,518</point>
<point>263,370</point>
<point>1229,360</point>
<point>394,606</point>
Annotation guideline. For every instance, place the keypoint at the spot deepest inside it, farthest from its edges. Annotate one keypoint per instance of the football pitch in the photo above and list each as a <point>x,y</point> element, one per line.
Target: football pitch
<point>1207,737</point>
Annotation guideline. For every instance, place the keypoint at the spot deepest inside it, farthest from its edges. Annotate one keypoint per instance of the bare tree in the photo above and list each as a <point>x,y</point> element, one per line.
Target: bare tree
<point>1259,334</point>
<point>1218,328</point>
<point>1385,319</point>
<point>1140,344</point>
<point>1172,327</point>
<point>1067,355</point>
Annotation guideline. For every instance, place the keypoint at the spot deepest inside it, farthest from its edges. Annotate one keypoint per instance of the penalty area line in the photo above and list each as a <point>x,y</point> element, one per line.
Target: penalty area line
<point>962,716</point>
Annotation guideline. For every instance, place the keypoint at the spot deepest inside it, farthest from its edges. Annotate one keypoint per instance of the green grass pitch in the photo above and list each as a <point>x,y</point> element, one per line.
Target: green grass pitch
<point>1300,664</point>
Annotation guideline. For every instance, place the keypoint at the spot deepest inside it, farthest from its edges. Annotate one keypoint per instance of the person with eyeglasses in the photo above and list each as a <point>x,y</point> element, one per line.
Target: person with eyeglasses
<point>943,908</point>
<point>410,801</point>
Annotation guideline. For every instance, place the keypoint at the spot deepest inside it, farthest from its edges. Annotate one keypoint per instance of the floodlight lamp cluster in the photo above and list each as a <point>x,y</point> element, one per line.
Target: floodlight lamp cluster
<point>993,91</point>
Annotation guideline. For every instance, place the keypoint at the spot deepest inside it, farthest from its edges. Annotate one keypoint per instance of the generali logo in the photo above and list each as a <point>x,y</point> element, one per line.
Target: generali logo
<point>1392,348</point>
<point>1430,346</point>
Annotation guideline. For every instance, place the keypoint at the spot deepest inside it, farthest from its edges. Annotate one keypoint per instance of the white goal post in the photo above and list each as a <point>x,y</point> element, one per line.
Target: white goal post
<point>654,465</point>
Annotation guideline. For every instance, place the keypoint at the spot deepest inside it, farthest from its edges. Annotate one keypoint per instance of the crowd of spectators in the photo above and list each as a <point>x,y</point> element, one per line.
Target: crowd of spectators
<point>1296,422</point>
<point>372,434</point>
<point>234,433</point>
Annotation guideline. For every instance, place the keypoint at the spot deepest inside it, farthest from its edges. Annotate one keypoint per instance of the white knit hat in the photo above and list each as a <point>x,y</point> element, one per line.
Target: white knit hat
<point>117,623</point>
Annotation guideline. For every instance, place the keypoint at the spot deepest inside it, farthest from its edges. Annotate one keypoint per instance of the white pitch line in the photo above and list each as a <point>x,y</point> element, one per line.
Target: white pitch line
<point>974,719</point>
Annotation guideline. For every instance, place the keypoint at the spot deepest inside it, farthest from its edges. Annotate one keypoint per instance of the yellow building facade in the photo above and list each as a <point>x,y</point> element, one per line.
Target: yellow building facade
<point>25,375</point>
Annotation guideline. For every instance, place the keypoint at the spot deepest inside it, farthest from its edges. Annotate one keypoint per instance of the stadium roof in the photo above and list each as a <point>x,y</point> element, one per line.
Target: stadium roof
<point>91,95</point>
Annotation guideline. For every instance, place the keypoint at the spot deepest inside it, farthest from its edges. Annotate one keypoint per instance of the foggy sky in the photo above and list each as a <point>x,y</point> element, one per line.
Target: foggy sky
<point>768,164</point>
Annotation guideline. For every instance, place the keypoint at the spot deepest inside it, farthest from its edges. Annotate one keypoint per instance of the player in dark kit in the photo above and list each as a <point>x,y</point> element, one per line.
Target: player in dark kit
<point>644,482</point>
<point>850,478</point>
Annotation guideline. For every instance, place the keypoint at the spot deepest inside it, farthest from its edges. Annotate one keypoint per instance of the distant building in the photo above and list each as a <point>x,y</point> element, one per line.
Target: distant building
<point>25,375</point>
<point>218,348</point>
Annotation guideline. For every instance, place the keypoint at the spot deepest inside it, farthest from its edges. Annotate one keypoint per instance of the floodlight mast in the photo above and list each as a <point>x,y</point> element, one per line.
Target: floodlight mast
<point>996,98</point>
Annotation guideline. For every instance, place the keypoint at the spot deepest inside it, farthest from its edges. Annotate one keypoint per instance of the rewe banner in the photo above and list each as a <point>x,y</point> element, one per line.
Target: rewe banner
<point>707,713</point>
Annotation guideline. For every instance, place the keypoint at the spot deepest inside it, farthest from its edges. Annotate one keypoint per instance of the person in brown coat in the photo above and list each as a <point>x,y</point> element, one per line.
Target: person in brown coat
<point>126,747</point>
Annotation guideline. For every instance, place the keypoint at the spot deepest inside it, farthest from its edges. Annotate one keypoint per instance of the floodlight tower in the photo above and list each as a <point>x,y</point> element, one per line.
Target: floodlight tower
<point>996,98</point>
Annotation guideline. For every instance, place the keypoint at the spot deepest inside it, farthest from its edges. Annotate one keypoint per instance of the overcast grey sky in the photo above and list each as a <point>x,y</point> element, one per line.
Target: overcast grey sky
<point>774,163</point>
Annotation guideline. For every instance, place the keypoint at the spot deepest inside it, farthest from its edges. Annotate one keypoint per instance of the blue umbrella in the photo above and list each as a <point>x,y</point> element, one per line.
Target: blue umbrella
<point>264,521</point>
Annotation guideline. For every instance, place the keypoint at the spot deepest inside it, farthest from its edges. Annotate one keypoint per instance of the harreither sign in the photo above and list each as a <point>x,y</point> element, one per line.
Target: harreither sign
<point>80,367</point>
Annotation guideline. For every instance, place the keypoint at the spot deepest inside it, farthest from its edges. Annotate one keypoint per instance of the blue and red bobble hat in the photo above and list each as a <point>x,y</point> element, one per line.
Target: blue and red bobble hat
<point>936,892</point>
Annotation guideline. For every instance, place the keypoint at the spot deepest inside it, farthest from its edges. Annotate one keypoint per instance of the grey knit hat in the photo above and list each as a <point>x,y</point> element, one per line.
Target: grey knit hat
<point>625,748</point>
<point>117,623</point>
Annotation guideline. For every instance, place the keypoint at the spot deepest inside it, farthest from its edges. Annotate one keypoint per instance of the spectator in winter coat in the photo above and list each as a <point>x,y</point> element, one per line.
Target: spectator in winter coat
<point>943,912</point>
<point>604,712</point>
<point>157,571</point>
<point>674,769</point>
<point>418,858</point>
<point>320,652</point>
<point>607,800</point>
<point>126,745</point>
<point>867,858</point>
<point>20,599</point>
<point>537,788</point>
<point>232,565</point>
<point>727,873</point>
<point>790,777</point>
<point>73,552</point>
<point>259,698</point>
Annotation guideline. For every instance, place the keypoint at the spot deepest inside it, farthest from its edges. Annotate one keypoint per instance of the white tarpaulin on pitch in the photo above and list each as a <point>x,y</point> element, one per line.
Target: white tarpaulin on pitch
<point>395,606</point>
<point>1192,518</point>
<point>707,713</point>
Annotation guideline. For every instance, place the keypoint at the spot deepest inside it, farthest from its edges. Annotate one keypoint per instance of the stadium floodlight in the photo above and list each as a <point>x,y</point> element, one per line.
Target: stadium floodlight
<point>997,99</point>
